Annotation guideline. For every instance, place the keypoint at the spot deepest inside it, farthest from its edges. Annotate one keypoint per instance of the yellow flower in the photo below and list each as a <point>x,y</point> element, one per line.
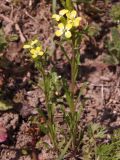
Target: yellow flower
<point>35,52</point>
<point>72,18</point>
<point>67,20</point>
<point>56,17</point>
<point>71,15</point>
<point>76,21</point>
<point>64,29</point>
<point>61,14</point>
<point>31,45</point>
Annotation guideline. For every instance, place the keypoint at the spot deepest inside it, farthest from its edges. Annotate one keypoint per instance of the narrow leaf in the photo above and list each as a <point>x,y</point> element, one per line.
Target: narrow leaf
<point>69,4</point>
<point>65,150</point>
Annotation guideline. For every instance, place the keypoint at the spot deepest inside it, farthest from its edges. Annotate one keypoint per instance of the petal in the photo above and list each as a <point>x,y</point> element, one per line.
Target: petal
<point>40,53</point>
<point>68,34</point>
<point>56,17</point>
<point>58,33</point>
<point>34,55</point>
<point>69,21</point>
<point>77,21</point>
<point>61,26</point>
<point>32,51</point>
<point>73,14</point>
<point>68,15</point>
<point>38,49</point>
<point>34,42</point>
<point>26,46</point>
<point>68,26</point>
<point>63,12</point>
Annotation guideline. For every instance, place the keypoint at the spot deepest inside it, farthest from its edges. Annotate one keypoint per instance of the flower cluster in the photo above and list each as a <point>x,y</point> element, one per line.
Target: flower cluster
<point>67,20</point>
<point>35,48</point>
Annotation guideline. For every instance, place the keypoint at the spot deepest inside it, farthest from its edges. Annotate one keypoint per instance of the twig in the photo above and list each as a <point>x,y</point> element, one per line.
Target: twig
<point>99,85</point>
<point>30,16</point>
<point>6,19</point>
<point>22,38</point>
<point>4,7</point>
<point>102,95</point>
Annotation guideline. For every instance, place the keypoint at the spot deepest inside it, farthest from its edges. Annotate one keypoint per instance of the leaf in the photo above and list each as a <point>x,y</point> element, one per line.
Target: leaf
<point>83,1</point>
<point>63,3</point>
<point>69,4</point>
<point>69,99</point>
<point>93,29</point>
<point>43,128</point>
<point>113,46</point>
<point>115,12</point>
<point>110,150</point>
<point>24,152</point>
<point>54,4</point>
<point>3,41</point>
<point>60,145</point>
<point>65,150</point>
<point>13,37</point>
<point>5,105</point>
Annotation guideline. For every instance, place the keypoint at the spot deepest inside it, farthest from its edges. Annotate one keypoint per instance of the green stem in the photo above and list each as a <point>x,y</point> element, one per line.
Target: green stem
<point>54,6</point>
<point>73,83</point>
<point>74,74</point>
<point>73,70</point>
<point>46,92</point>
<point>50,123</point>
<point>65,53</point>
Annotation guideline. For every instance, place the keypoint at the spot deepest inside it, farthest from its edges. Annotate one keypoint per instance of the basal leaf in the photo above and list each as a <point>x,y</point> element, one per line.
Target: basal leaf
<point>5,105</point>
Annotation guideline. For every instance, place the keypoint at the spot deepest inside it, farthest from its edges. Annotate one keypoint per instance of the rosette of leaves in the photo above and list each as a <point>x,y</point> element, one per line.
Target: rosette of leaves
<point>111,150</point>
<point>115,12</point>
<point>113,47</point>
<point>94,146</point>
<point>93,29</point>
<point>94,132</point>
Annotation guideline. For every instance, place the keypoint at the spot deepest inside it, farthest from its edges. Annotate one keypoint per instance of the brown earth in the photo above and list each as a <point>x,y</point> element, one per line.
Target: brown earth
<point>102,94</point>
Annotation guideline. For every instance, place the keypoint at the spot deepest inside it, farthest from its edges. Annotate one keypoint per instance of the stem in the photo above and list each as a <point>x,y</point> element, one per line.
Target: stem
<point>50,116</point>
<point>72,83</point>
<point>73,73</point>
<point>74,68</point>
<point>65,53</point>
<point>95,148</point>
<point>54,6</point>
<point>50,123</point>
